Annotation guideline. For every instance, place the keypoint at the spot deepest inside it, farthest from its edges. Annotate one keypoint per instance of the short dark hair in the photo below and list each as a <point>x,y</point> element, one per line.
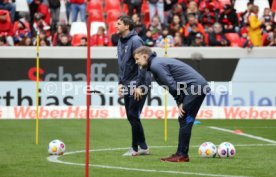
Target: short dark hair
<point>127,21</point>
<point>143,50</point>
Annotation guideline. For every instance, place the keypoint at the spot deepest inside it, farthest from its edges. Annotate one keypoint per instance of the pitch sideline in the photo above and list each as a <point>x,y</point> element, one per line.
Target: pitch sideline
<point>243,134</point>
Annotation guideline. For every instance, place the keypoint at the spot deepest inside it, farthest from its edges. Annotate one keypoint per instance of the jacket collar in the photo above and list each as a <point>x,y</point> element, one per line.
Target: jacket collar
<point>152,56</point>
<point>130,34</point>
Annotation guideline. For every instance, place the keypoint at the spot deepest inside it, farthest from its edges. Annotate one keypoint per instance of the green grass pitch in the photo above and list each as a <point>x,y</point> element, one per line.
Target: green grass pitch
<point>20,157</point>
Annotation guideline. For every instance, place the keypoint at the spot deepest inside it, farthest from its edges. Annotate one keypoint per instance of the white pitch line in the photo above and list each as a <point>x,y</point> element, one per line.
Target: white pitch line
<point>244,134</point>
<point>55,160</point>
<point>159,147</point>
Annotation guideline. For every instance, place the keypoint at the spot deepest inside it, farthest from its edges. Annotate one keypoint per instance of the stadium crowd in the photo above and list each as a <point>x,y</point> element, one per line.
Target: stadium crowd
<point>173,23</point>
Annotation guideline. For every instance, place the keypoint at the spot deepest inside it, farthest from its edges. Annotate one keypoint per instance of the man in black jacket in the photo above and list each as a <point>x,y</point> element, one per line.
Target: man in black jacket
<point>130,77</point>
<point>218,38</point>
<point>187,87</point>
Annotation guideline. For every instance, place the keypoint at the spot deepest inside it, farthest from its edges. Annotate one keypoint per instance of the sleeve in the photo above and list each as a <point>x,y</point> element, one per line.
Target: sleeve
<point>119,68</point>
<point>254,22</point>
<point>164,77</point>
<point>141,72</point>
<point>212,40</point>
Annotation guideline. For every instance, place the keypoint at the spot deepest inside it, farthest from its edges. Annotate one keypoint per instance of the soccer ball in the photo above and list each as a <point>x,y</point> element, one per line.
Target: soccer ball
<point>207,149</point>
<point>56,147</point>
<point>226,149</point>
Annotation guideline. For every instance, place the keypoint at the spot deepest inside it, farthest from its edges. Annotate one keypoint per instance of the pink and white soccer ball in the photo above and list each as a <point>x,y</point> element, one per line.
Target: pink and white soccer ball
<point>226,149</point>
<point>56,147</point>
<point>207,149</point>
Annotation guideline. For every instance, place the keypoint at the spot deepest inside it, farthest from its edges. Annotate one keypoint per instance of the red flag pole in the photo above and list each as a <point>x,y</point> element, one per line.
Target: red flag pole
<point>88,98</point>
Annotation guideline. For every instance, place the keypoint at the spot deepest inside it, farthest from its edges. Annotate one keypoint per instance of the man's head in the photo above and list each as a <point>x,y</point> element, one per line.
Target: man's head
<point>217,28</point>
<point>135,18</point>
<point>124,25</point>
<point>141,56</point>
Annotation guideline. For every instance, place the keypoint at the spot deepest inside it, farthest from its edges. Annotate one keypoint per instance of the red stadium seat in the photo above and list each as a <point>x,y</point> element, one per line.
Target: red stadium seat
<point>112,4</point>
<point>94,4</point>
<point>125,8</point>
<point>145,7</point>
<point>111,28</point>
<point>224,2</point>
<point>233,38</point>
<point>145,11</point>
<point>96,15</point>
<point>76,39</point>
<point>112,15</point>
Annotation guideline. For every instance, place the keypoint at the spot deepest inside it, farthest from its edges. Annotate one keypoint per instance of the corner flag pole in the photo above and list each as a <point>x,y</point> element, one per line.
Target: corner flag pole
<point>37,86</point>
<point>166,98</point>
<point>88,98</point>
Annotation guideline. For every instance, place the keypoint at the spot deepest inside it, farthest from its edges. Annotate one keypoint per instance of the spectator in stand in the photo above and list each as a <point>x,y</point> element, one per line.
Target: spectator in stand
<point>268,20</point>
<point>273,8</point>
<point>155,27</point>
<point>229,19</point>
<point>168,5</point>
<point>273,42</point>
<point>215,4</point>
<point>193,9</point>
<point>54,6</point>
<point>176,10</point>
<point>83,42</point>
<point>43,36</point>
<point>40,25</point>
<point>3,41</point>
<point>68,10</point>
<point>9,6</point>
<point>218,38</point>
<point>61,29</point>
<point>65,41</point>
<point>27,41</point>
<point>192,20</point>
<point>268,37</point>
<point>254,29</point>
<point>6,27</point>
<point>21,30</point>
<point>165,39</point>
<point>208,17</point>
<point>148,39</point>
<point>44,43</point>
<point>178,41</point>
<point>245,15</point>
<point>198,41</point>
<point>245,41</point>
<point>138,26</point>
<point>100,39</point>
<point>192,35</point>
<point>159,5</point>
<point>176,25</point>
<point>134,5</point>
<point>44,10</point>
<point>115,39</point>
<point>78,6</point>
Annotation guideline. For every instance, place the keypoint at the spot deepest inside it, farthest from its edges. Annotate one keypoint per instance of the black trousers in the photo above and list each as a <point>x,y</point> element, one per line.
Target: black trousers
<point>191,104</point>
<point>133,110</point>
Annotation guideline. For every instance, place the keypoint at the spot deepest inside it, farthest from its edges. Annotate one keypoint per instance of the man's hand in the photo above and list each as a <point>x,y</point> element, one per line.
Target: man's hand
<point>138,94</point>
<point>181,111</point>
<point>120,90</point>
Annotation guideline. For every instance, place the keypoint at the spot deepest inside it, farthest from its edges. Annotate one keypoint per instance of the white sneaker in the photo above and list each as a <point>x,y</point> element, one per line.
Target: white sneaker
<point>143,151</point>
<point>131,152</point>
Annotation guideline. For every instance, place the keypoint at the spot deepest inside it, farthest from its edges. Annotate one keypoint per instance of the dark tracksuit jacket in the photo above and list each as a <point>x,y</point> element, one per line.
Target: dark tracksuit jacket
<point>128,69</point>
<point>169,72</point>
